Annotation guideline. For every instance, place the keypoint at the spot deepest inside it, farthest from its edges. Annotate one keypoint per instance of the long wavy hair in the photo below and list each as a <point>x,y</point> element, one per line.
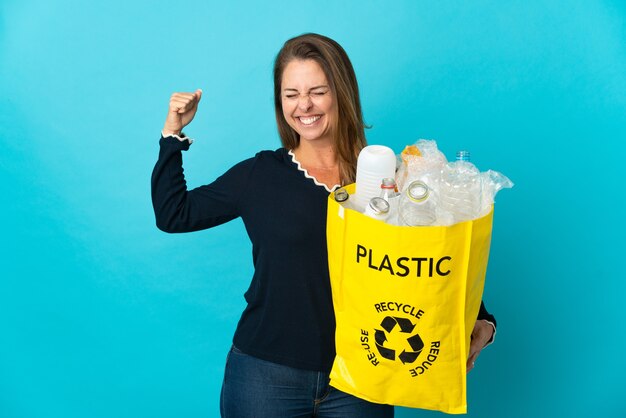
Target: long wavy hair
<point>349,129</point>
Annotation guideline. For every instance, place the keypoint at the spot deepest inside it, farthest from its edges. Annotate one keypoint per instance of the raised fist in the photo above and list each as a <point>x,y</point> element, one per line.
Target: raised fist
<point>183,107</point>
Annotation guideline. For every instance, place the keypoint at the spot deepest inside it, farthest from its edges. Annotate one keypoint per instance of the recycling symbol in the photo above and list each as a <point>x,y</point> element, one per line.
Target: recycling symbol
<point>402,325</point>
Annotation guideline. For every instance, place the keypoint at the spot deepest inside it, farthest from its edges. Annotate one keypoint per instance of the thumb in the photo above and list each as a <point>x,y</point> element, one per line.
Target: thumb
<point>199,94</point>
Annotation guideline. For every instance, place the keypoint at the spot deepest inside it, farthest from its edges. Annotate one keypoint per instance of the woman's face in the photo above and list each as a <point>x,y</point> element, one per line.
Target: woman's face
<point>308,102</point>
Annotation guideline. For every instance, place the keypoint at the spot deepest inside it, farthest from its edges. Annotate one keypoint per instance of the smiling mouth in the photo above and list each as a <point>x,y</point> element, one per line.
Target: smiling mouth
<point>309,120</point>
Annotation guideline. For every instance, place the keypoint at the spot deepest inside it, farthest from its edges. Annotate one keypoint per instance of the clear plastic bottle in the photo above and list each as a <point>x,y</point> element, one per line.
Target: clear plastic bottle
<point>389,192</point>
<point>460,189</point>
<point>378,208</point>
<point>417,207</point>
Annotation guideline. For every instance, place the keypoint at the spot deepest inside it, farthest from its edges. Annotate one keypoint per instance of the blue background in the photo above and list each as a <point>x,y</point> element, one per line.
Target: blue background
<point>102,315</point>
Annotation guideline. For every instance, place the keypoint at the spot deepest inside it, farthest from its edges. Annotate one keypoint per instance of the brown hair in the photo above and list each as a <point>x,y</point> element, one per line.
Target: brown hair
<point>349,133</point>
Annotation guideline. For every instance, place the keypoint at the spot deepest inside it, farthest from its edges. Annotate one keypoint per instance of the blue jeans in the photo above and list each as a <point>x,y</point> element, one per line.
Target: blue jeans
<point>257,388</point>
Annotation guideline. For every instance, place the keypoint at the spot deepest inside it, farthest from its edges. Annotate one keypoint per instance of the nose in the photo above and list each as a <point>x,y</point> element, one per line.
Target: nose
<point>304,102</point>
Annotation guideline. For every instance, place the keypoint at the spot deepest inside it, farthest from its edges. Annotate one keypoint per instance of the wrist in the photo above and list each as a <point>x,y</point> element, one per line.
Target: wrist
<point>170,132</point>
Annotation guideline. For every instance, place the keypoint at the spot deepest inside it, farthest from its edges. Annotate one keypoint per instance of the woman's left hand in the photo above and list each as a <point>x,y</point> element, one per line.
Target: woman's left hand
<point>481,335</point>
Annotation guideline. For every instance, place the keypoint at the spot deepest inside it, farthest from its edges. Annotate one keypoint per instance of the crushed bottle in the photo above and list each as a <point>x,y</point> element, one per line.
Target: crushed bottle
<point>460,189</point>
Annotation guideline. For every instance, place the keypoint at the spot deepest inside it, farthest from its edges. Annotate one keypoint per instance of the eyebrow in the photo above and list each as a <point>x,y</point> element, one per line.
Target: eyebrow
<point>312,88</point>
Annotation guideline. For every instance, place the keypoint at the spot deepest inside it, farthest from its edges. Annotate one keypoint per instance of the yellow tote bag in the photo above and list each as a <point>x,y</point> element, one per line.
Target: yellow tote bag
<point>406,300</point>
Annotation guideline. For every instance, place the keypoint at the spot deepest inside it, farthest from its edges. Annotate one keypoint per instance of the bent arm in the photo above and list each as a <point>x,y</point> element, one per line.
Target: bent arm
<point>178,210</point>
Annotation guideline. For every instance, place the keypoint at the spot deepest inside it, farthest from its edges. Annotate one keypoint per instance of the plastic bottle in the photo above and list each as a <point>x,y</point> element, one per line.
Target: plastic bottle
<point>389,192</point>
<point>461,189</point>
<point>417,207</point>
<point>375,163</point>
<point>378,208</point>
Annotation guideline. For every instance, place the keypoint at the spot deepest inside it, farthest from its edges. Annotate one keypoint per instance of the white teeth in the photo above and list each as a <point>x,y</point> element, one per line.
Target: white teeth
<point>310,120</point>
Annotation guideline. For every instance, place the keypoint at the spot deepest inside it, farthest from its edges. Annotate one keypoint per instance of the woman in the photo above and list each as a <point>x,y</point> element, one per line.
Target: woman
<point>283,347</point>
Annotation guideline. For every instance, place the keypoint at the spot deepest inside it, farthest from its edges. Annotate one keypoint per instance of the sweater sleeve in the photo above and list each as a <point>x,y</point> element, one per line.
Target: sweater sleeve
<point>180,210</point>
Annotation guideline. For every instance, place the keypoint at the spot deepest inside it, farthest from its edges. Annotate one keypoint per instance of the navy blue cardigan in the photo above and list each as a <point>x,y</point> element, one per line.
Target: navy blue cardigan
<point>289,318</point>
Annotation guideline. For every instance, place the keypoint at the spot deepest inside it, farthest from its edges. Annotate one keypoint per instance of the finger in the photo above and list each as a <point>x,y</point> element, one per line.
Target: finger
<point>188,106</point>
<point>181,105</point>
<point>475,346</point>
<point>179,101</point>
<point>182,95</point>
<point>474,356</point>
<point>474,351</point>
<point>187,100</point>
<point>176,107</point>
<point>471,361</point>
<point>469,366</point>
<point>197,97</point>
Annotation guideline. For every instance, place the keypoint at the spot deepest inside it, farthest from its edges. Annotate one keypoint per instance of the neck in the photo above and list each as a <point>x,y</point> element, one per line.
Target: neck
<point>316,155</point>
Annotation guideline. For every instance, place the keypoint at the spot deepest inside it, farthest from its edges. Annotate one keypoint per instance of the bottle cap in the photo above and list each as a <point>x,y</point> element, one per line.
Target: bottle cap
<point>379,206</point>
<point>341,195</point>
<point>388,183</point>
<point>417,191</point>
